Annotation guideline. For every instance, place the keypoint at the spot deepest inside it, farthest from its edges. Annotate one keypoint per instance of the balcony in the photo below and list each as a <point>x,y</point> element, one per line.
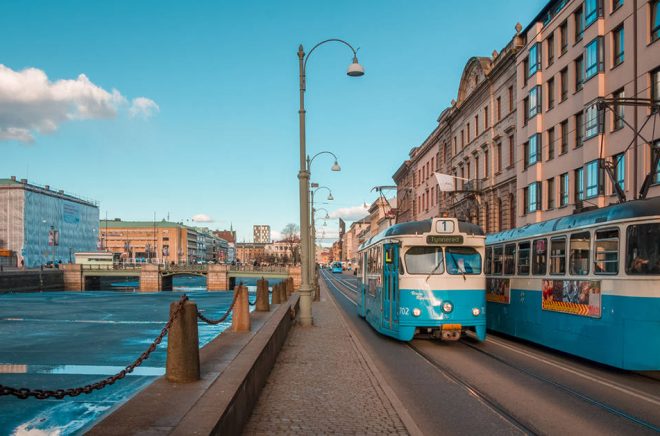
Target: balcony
<point>474,186</point>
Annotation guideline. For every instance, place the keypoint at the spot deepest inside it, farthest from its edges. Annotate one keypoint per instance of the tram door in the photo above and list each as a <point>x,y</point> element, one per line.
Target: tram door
<point>390,286</point>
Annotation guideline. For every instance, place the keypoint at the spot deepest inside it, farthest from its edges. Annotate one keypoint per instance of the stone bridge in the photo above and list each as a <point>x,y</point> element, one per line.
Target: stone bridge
<point>154,278</point>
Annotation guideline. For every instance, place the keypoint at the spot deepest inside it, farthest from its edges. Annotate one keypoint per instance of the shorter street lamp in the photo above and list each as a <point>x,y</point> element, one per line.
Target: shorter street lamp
<point>311,263</point>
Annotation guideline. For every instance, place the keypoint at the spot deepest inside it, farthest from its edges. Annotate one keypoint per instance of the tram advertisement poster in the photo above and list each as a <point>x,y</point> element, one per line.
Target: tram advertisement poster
<point>498,290</point>
<point>577,297</point>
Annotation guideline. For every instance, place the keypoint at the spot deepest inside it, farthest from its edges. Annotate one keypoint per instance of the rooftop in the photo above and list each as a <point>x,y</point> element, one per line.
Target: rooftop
<point>12,183</point>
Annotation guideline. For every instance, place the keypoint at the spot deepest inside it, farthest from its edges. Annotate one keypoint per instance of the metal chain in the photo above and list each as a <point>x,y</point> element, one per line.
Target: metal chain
<point>42,394</point>
<point>223,317</point>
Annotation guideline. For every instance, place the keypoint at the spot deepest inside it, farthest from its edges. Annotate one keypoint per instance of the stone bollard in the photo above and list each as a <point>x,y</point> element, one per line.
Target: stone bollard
<point>182,365</point>
<point>262,296</point>
<point>276,294</point>
<point>240,319</point>
<point>283,295</point>
<point>289,287</point>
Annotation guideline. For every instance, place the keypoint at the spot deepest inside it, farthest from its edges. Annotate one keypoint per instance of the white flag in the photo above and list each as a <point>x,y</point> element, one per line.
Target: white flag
<point>445,182</point>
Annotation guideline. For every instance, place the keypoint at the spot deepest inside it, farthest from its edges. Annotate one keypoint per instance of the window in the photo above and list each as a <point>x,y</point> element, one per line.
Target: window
<point>618,111</point>
<point>593,58</point>
<point>511,150</point>
<point>486,165</point>
<point>579,73</point>
<point>655,86</point>
<point>509,259</point>
<point>579,23</point>
<point>579,129</point>
<point>534,59</point>
<point>551,193</point>
<point>550,47</point>
<point>512,211</point>
<point>498,155</point>
<point>643,251</point>
<point>498,109</point>
<point>563,190</point>
<point>592,124</point>
<point>618,45</point>
<point>579,254</point>
<point>619,161</point>
<point>616,4</point>
<point>523,258</point>
<point>467,130</point>
<point>462,139</point>
<point>424,260</point>
<point>592,10</point>
<point>551,143</point>
<point>539,258</point>
<point>533,197</point>
<point>476,126</point>
<point>579,184</point>
<point>533,149</point>
<point>655,20</point>
<point>558,256</point>
<point>463,260</point>
<point>486,117</point>
<point>563,37</point>
<point>510,99</point>
<point>551,93</point>
<point>564,136</point>
<point>489,260</point>
<point>525,110</point>
<point>534,102</point>
<point>563,79</point>
<point>606,251</point>
<point>497,260</point>
<point>594,178</point>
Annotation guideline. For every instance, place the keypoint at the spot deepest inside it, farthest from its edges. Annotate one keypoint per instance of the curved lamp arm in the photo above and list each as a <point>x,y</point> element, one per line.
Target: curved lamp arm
<point>335,166</point>
<point>324,42</point>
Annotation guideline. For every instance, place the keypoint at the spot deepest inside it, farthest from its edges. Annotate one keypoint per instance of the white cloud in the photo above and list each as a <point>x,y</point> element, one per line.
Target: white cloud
<point>143,107</point>
<point>202,218</point>
<point>30,103</point>
<point>275,235</point>
<point>353,213</point>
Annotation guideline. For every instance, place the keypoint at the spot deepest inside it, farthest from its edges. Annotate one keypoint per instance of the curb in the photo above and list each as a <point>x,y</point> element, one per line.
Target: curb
<point>398,406</point>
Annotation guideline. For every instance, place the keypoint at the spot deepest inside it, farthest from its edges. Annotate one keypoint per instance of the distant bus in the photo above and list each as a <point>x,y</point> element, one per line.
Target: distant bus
<point>337,267</point>
<point>97,258</point>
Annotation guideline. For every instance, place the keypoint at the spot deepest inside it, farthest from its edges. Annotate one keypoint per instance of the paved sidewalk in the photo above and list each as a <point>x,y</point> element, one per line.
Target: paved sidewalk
<point>321,384</point>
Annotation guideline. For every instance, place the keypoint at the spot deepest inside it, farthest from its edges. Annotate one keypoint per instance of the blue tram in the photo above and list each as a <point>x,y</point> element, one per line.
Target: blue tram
<point>337,268</point>
<point>586,284</point>
<point>424,278</point>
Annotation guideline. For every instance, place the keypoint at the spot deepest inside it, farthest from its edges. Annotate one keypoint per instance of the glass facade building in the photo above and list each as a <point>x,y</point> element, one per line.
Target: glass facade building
<point>42,225</point>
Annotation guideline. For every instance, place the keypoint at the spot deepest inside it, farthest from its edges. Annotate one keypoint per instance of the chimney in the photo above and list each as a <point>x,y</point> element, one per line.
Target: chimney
<point>13,178</point>
<point>47,187</point>
<point>61,191</point>
<point>24,181</point>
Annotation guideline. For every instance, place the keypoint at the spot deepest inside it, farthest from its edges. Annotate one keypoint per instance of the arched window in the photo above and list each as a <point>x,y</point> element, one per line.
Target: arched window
<point>512,211</point>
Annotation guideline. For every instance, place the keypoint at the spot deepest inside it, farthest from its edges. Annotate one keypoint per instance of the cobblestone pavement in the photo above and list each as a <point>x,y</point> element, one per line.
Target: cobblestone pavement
<point>321,384</point>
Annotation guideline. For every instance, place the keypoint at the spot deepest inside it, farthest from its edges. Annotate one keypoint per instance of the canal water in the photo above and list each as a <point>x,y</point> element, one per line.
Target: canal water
<point>60,340</point>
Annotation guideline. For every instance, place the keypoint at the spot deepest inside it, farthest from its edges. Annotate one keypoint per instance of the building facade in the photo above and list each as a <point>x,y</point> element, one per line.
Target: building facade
<point>573,151</point>
<point>261,234</point>
<point>351,242</point>
<point>149,241</point>
<point>250,252</point>
<point>38,224</point>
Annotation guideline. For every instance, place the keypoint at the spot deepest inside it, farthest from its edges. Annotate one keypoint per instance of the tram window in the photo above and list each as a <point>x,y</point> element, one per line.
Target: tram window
<point>523,258</point>
<point>489,259</point>
<point>401,270</point>
<point>463,260</point>
<point>579,254</point>
<point>510,259</point>
<point>558,255</point>
<point>643,251</point>
<point>497,260</point>
<point>424,260</point>
<point>606,252</point>
<point>539,258</point>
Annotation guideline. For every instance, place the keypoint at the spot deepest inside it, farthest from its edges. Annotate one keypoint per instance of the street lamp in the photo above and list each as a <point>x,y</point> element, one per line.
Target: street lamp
<point>354,70</point>
<point>311,264</point>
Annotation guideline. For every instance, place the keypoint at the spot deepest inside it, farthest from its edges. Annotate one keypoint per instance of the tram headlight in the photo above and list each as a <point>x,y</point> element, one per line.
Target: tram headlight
<point>447,306</point>
<point>476,311</point>
<point>417,311</point>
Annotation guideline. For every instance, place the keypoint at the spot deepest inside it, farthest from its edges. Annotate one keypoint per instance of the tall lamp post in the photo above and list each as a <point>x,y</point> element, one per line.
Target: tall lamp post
<point>354,70</point>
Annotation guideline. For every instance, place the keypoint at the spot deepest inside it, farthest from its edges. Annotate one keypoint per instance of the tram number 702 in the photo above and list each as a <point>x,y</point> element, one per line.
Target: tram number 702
<point>404,310</point>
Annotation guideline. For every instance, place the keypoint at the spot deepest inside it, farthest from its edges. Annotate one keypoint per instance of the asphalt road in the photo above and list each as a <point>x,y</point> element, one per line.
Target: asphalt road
<point>504,386</point>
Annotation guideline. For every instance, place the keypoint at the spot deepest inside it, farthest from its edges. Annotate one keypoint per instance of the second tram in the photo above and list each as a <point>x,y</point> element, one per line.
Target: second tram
<point>586,284</point>
<point>424,278</point>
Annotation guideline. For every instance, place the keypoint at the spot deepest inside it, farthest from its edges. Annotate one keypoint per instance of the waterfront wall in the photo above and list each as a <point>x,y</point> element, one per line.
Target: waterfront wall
<point>31,281</point>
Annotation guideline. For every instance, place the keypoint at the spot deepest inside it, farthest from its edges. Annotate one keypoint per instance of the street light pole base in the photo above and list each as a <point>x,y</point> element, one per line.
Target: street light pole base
<point>306,318</point>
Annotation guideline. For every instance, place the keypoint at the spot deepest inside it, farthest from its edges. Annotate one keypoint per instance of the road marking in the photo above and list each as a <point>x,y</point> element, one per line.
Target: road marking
<point>626,390</point>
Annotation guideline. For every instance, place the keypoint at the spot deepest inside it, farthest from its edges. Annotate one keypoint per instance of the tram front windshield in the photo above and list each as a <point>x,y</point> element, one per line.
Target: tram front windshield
<point>425,260</point>
<point>463,260</point>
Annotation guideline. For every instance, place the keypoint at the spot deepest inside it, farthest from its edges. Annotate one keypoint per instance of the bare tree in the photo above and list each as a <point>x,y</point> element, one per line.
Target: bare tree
<point>291,235</point>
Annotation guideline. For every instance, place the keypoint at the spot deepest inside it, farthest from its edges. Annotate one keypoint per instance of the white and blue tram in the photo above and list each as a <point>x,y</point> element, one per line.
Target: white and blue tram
<point>424,277</point>
<point>586,284</point>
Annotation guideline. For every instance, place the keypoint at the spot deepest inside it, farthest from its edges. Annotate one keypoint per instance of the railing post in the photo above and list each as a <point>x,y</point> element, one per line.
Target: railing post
<point>262,304</point>
<point>289,287</point>
<point>276,294</point>
<point>182,365</point>
<point>283,295</point>
<point>240,320</point>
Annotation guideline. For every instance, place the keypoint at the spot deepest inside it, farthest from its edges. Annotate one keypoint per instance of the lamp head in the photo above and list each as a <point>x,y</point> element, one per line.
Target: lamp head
<point>327,217</point>
<point>365,205</point>
<point>355,69</point>
<point>330,197</point>
<point>335,167</point>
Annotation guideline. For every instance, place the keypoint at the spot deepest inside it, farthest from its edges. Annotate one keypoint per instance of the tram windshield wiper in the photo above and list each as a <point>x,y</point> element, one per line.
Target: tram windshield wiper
<point>434,270</point>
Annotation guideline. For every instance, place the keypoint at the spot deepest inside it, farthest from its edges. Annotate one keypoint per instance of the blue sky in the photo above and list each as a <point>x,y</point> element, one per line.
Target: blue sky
<point>218,131</point>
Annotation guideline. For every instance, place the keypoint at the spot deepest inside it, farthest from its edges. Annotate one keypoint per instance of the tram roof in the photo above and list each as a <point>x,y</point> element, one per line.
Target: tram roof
<point>419,228</point>
<point>631,209</point>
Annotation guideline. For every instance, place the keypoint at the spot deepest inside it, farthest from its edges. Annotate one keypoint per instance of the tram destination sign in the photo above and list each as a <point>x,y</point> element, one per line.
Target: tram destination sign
<point>444,239</point>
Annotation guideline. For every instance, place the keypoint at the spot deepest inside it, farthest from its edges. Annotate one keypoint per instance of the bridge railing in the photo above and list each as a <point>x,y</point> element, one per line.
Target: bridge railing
<point>115,267</point>
<point>184,268</point>
<point>264,269</point>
